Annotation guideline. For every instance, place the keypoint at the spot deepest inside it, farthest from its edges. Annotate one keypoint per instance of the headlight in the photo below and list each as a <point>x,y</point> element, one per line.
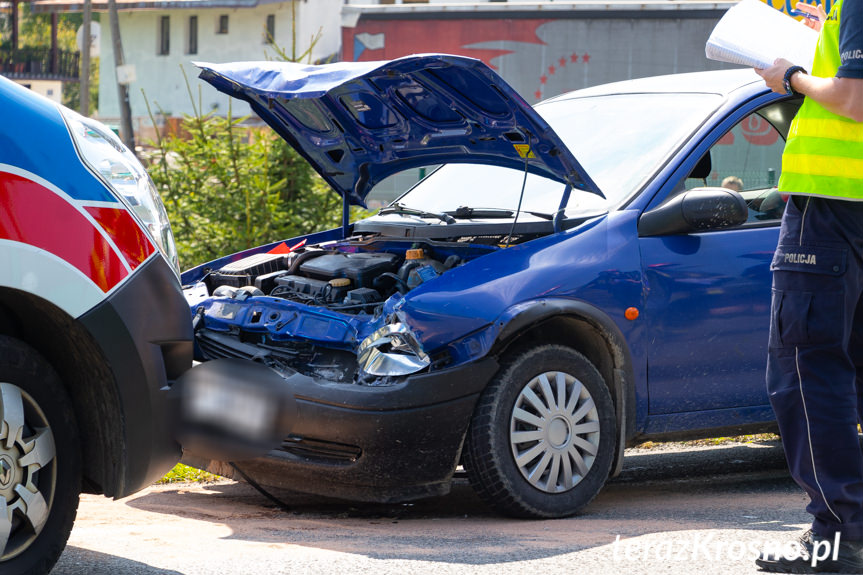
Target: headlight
<point>392,350</point>
<point>111,161</point>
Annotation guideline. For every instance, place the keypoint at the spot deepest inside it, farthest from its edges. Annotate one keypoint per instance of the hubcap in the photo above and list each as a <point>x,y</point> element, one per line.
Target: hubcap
<point>554,432</point>
<point>28,471</point>
<point>558,432</point>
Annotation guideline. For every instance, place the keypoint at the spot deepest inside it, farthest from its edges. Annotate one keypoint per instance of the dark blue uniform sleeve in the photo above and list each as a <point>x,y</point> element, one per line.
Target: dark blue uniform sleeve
<point>851,40</point>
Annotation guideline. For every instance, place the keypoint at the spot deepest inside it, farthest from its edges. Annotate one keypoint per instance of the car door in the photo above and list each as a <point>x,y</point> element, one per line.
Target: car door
<point>708,293</point>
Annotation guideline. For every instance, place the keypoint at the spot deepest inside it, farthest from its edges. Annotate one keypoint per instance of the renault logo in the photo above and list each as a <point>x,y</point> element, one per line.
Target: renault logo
<point>5,471</point>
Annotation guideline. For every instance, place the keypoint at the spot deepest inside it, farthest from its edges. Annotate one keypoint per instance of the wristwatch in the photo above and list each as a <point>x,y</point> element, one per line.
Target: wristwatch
<point>786,79</point>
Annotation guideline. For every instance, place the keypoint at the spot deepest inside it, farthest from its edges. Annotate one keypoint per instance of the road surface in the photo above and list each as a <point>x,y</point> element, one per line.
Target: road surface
<point>673,510</point>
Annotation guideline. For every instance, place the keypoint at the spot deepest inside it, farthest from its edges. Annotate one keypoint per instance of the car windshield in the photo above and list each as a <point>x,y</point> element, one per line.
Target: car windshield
<point>620,140</point>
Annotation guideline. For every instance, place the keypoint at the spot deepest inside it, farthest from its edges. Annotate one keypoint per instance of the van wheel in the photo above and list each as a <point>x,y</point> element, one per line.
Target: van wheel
<point>40,461</point>
<point>541,440</point>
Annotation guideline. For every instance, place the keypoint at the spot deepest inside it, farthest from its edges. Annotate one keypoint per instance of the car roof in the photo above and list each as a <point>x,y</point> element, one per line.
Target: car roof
<point>722,82</point>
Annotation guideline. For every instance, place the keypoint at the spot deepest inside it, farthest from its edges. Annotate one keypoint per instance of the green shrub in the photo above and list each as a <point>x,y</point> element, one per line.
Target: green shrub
<point>228,187</point>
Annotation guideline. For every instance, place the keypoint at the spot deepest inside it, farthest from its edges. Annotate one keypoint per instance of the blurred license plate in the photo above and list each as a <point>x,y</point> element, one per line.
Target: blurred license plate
<point>237,409</point>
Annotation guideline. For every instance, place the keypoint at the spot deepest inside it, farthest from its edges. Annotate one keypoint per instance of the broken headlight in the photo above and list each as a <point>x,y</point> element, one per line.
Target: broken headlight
<point>391,351</point>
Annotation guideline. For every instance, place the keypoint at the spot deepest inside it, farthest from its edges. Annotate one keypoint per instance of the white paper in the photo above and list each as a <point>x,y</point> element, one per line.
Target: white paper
<point>754,34</point>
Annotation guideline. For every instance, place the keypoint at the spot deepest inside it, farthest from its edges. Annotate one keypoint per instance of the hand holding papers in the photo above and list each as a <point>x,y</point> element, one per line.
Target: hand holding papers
<point>753,34</point>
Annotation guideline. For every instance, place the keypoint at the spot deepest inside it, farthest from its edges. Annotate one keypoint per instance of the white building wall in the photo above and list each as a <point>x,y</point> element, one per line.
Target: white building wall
<point>51,89</point>
<point>319,15</point>
<point>160,77</point>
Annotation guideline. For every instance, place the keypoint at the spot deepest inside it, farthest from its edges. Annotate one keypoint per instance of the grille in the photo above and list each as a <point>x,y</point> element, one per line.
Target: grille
<point>322,450</point>
<point>216,346</point>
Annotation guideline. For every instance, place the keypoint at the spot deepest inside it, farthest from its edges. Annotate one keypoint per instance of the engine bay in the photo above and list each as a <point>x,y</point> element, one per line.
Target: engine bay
<point>355,281</point>
<point>307,308</point>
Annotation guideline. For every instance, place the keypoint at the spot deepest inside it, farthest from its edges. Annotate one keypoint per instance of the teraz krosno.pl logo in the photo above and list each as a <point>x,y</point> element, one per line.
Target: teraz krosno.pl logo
<point>707,547</point>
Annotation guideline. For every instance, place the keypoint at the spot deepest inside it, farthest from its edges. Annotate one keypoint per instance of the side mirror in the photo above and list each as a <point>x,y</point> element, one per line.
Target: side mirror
<point>696,210</point>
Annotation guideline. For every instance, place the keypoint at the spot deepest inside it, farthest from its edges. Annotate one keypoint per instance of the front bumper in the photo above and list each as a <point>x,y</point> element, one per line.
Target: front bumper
<point>145,333</point>
<point>383,444</point>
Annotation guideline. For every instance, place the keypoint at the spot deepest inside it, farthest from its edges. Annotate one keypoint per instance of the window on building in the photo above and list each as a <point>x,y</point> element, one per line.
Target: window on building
<point>164,35</point>
<point>222,26</point>
<point>192,46</point>
<point>270,32</point>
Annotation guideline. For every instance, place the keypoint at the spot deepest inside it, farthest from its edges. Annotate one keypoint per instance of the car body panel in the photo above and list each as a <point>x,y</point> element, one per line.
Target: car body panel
<point>457,303</point>
<point>95,244</point>
<point>722,82</point>
<point>720,284</point>
<point>34,122</point>
<point>358,122</point>
<point>695,286</point>
<point>730,421</point>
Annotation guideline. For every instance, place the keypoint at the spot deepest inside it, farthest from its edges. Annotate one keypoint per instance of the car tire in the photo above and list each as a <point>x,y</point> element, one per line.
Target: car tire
<point>541,440</point>
<point>40,461</point>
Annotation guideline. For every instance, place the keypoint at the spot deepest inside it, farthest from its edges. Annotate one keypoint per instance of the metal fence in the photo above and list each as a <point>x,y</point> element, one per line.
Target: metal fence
<point>39,63</point>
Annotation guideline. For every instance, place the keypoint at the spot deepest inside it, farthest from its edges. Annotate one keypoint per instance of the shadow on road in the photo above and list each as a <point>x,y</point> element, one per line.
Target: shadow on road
<point>724,487</point>
<point>77,560</point>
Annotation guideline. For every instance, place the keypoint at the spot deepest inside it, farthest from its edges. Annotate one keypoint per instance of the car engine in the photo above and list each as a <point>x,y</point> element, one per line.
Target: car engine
<point>350,282</point>
<point>307,308</point>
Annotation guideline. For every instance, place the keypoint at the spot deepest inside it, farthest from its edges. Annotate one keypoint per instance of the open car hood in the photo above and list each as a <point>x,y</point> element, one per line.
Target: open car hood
<point>358,122</point>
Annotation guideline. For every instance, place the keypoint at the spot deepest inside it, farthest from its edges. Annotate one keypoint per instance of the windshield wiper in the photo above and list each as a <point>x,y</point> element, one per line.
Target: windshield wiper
<point>404,210</point>
<point>465,212</point>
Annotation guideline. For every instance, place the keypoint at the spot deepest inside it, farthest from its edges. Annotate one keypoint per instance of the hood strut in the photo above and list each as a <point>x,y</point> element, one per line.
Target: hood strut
<point>346,216</point>
<point>558,215</point>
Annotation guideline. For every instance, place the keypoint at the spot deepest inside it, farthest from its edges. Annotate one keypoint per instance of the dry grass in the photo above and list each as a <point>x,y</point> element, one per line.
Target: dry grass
<point>755,438</point>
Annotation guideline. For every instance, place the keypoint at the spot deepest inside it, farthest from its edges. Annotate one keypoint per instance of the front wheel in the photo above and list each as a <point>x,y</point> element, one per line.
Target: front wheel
<point>541,440</point>
<point>40,461</point>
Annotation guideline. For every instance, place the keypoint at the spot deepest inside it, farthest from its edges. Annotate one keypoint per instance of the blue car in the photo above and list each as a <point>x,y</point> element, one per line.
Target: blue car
<point>569,280</point>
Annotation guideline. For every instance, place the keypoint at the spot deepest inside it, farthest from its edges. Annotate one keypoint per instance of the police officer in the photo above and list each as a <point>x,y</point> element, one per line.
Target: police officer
<point>815,358</point>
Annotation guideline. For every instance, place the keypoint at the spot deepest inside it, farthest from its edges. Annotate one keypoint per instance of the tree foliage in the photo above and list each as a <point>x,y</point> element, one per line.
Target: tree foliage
<point>228,187</point>
<point>34,31</point>
<point>72,90</point>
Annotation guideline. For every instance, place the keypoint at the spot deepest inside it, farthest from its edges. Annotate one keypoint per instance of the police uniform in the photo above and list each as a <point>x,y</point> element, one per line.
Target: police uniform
<point>815,359</point>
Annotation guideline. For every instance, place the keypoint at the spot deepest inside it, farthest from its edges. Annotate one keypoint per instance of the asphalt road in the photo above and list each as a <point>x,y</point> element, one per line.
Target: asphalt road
<point>675,510</point>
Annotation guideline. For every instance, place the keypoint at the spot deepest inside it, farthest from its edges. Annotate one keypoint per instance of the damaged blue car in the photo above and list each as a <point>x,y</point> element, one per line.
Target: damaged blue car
<point>568,280</point>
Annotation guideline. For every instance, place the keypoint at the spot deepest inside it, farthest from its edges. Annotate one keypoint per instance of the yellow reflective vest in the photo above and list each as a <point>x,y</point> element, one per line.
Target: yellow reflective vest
<point>824,152</point>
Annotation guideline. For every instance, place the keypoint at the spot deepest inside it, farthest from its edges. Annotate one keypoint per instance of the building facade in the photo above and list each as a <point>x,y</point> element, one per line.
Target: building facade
<point>162,38</point>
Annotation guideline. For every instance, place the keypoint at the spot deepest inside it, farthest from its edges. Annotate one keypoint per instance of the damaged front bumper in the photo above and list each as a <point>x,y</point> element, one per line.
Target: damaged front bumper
<point>384,444</point>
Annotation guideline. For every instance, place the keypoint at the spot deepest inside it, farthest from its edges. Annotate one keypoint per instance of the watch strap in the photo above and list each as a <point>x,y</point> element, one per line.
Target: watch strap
<point>786,79</point>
